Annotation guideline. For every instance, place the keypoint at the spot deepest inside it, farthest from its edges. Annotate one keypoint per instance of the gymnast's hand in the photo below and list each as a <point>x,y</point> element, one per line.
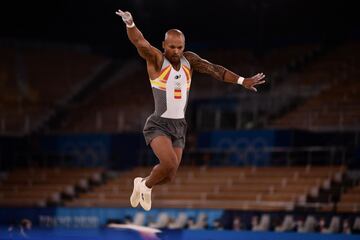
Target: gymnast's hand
<point>126,17</point>
<point>251,82</point>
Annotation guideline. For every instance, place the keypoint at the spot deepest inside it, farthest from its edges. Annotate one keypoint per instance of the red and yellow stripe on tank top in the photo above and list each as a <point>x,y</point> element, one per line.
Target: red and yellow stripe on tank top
<point>160,82</point>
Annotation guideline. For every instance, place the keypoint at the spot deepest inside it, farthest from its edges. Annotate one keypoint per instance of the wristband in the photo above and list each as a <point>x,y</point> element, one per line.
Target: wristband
<point>240,80</point>
<point>131,25</point>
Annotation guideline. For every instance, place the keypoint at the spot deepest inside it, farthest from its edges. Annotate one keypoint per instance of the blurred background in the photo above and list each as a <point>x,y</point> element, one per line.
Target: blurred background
<point>74,96</point>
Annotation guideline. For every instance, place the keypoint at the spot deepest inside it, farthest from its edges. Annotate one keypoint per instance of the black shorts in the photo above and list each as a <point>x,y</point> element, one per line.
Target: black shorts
<point>175,129</point>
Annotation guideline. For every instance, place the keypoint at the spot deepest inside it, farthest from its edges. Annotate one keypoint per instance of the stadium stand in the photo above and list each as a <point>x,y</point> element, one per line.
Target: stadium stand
<point>238,188</point>
<point>35,80</point>
<point>114,105</point>
<point>265,165</point>
<point>44,187</point>
<point>336,106</point>
<point>350,200</point>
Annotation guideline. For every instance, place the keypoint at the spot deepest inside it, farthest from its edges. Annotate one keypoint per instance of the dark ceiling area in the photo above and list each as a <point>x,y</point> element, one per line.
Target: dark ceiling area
<point>256,24</point>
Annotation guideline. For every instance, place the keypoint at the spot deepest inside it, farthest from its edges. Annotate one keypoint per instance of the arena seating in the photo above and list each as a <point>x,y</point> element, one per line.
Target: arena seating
<point>350,200</point>
<point>121,105</point>
<point>336,106</point>
<point>268,188</point>
<point>41,187</point>
<point>117,106</point>
<point>33,81</point>
<point>124,104</point>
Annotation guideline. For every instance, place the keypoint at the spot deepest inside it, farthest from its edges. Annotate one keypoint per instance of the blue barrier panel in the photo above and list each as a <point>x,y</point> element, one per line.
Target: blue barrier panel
<point>117,151</point>
<point>10,216</point>
<point>87,150</point>
<point>116,234</point>
<point>91,217</point>
<point>248,143</point>
<point>125,150</point>
<point>70,234</point>
<point>232,235</point>
<point>95,217</point>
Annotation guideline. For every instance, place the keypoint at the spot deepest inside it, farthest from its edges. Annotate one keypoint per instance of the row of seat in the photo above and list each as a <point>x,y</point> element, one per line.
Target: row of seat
<point>39,187</point>
<point>336,106</point>
<point>350,200</point>
<point>233,188</point>
<point>123,104</point>
<point>33,80</point>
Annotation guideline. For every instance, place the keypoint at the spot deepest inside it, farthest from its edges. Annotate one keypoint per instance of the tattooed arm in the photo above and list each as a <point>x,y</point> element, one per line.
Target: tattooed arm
<point>216,71</point>
<point>144,48</point>
<point>220,73</point>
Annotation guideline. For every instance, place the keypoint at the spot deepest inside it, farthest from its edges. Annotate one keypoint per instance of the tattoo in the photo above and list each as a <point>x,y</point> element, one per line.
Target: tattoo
<point>145,51</point>
<point>223,76</point>
<point>203,66</point>
<point>143,47</point>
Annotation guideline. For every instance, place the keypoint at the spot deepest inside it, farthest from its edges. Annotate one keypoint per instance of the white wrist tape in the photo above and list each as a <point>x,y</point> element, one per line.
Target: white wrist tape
<point>240,80</point>
<point>131,25</point>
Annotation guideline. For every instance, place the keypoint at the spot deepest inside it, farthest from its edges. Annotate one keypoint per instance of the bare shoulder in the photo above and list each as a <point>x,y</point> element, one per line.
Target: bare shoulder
<point>204,66</point>
<point>154,54</point>
<point>197,63</point>
<point>155,59</point>
<point>157,52</point>
<point>191,57</point>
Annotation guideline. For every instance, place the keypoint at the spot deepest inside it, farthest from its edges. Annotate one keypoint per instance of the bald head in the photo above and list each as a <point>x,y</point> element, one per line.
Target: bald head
<point>174,33</point>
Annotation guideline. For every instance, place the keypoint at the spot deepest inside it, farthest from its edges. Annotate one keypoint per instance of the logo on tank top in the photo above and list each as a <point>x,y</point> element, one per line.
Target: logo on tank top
<point>177,90</point>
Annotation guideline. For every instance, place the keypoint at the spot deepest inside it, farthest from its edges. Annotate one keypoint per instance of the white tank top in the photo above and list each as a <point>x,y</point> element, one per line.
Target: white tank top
<point>171,90</point>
